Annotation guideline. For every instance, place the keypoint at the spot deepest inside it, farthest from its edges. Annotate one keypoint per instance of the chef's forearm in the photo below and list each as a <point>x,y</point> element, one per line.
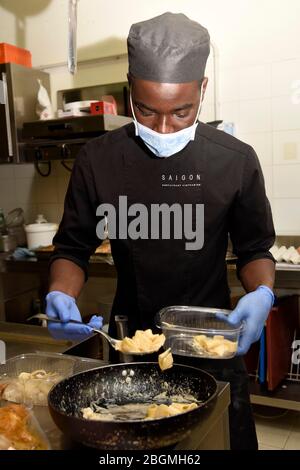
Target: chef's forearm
<point>67,277</point>
<point>256,273</point>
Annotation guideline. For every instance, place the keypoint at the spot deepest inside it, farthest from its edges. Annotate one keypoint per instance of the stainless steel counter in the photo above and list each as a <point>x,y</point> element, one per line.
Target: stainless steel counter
<point>21,339</point>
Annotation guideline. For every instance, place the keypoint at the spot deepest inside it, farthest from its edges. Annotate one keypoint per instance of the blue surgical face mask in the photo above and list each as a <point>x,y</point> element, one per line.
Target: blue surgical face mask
<point>165,145</point>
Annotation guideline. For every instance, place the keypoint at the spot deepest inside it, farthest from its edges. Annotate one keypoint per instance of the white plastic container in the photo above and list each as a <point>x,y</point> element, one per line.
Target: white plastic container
<point>40,234</point>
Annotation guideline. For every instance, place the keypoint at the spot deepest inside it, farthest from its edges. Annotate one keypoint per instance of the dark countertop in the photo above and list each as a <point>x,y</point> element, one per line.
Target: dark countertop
<point>98,267</point>
<point>102,266</point>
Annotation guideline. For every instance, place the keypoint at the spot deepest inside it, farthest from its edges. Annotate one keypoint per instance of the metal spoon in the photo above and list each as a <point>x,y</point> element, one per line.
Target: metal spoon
<point>112,341</point>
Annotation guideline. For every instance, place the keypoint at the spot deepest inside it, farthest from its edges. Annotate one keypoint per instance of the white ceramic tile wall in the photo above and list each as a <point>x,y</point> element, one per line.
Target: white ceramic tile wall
<point>286,215</point>
<point>23,171</point>
<point>62,185</point>
<point>287,181</point>
<point>285,113</point>
<point>26,191</point>
<point>230,111</point>
<point>262,99</point>
<point>255,115</point>
<point>264,102</point>
<point>6,172</point>
<point>286,147</point>
<point>262,144</point>
<point>208,112</point>
<point>22,186</point>
<point>47,190</point>
<point>255,82</point>
<point>7,188</point>
<point>285,74</point>
<point>229,84</point>
<point>268,176</point>
<point>209,72</point>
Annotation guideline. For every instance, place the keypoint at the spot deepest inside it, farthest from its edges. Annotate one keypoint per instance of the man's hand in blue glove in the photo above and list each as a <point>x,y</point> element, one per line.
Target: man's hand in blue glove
<point>63,306</point>
<point>253,310</point>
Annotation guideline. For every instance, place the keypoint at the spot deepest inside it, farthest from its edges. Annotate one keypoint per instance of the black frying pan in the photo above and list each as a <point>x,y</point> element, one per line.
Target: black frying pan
<point>108,385</point>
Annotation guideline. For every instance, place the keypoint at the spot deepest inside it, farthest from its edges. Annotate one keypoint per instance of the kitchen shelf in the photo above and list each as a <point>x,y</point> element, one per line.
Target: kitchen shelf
<point>286,396</point>
<point>287,267</point>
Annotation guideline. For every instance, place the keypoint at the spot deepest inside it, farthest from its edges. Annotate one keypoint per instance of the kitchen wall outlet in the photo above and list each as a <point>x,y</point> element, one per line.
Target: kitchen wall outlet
<point>290,151</point>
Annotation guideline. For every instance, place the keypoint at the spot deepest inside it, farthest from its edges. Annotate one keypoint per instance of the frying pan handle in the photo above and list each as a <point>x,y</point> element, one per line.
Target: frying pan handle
<point>122,331</point>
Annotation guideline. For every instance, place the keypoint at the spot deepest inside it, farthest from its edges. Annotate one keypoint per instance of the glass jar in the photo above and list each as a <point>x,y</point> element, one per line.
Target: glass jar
<point>7,243</point>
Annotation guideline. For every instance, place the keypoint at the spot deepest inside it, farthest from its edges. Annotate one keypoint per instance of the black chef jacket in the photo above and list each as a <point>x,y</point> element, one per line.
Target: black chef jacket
<point>216,170</point>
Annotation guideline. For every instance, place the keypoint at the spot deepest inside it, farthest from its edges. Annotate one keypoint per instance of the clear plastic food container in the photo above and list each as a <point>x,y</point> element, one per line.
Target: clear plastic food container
<point>28,378</point>
<point>198,331</point>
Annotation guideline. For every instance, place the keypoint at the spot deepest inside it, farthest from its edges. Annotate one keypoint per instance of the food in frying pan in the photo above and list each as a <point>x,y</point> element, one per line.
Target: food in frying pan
<point>164,411</point>
<point>107,387</point>
<point>216,346</point>
<point>30,387</point>
<point>17,431</point>
<point>165,360</point>
<point>130,411</point>
<point>135,411</point>
<point>142,341</point>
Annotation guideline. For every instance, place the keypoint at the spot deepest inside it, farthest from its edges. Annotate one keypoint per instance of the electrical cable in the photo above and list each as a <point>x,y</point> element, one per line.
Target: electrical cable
<point>65,165</point>
<point>36,164</point>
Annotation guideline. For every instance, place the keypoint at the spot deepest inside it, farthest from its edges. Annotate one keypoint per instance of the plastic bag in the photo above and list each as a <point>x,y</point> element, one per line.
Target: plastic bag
<point>43,108</point>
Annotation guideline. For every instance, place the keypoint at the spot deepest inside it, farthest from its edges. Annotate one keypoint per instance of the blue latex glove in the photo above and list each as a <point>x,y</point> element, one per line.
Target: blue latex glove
<point>253,310</point>
<point>63,306</point>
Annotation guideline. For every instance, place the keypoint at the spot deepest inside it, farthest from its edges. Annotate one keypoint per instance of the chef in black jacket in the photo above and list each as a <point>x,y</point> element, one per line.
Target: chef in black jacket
<point>167,157</point>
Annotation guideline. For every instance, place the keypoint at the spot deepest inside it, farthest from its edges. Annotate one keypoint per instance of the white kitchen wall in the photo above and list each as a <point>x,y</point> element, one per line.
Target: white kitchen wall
<point>22,186</point>
<point>258,57</point>
<point>266,110</point>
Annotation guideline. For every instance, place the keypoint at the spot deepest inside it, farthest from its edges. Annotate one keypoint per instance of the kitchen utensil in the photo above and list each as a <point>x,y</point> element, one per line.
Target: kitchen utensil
<point>112,341</point>
<point>122,384</point>
<point>72,45</point>
<point>40,234</point>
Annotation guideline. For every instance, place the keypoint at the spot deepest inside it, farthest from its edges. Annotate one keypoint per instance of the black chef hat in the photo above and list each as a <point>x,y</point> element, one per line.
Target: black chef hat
<point>169,48</point>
